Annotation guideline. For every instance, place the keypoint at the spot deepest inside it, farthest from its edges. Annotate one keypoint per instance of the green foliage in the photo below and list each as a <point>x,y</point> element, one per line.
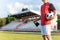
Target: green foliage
<point>58,21</point>
<point>2,22</point>
<point>58,16</point>
<point>9,19</point>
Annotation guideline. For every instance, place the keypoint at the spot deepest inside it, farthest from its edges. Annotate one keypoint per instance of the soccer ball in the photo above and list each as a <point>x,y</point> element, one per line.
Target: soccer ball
<point>48,16</point>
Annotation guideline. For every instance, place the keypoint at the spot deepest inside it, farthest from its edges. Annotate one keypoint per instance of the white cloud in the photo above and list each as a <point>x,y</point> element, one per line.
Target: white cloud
<point>16,7</point>
<point>11,9</point>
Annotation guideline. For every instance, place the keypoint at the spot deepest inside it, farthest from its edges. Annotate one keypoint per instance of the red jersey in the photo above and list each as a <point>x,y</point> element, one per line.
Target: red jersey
<point>44,10</point>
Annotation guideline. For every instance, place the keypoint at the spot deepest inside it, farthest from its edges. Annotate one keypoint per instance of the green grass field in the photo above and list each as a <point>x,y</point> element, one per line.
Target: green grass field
<point>20,36</point>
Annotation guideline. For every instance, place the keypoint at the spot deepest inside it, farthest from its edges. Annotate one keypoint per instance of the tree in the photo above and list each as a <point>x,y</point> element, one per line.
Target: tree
<point>9,19</point>
<point>58,21</point>
<point>2,22</point>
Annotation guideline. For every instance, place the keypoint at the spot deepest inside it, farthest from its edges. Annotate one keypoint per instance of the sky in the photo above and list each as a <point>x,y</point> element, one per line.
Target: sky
<point>9,7</point>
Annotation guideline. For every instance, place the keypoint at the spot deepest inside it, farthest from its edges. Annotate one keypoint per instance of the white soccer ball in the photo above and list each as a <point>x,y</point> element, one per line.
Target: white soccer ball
<point>48,15</point>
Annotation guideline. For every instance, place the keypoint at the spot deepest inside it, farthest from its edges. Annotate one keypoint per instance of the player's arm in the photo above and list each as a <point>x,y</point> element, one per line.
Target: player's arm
<point>36,20</point>
<point>52,8</point>
<point>55,13</point>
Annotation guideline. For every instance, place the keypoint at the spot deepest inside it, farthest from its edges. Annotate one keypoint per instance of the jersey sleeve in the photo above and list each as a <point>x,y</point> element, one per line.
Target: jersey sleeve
<point>52,7</point>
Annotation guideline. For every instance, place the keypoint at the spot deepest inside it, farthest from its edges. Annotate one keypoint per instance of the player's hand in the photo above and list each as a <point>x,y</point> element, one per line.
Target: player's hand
<point>35,20</point>
<point>52,17</point>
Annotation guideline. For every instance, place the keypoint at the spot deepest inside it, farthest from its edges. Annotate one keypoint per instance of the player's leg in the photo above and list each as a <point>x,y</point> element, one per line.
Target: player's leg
<point>48,32</point>
<point>43,32</point>
<point>44,37</point>
<point>49,37</point>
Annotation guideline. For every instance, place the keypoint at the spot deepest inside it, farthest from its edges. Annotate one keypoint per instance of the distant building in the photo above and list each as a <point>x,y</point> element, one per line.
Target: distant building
<point>24,15</point>
<point>27,15</point>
